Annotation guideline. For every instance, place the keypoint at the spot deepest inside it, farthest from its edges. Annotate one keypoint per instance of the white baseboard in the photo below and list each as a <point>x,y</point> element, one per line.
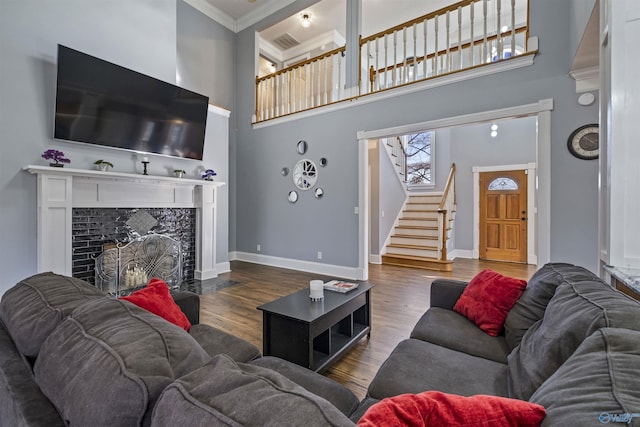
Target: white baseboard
<point>352,273</point>
<point>223,267</point>
<point>460,253</point>
<point>375,259</point>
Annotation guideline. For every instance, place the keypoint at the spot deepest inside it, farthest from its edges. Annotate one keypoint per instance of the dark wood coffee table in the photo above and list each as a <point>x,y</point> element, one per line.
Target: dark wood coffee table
<point>314,334</point>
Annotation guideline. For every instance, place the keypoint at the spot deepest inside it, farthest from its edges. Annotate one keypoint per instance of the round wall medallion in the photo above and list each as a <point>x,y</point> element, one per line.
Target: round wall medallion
<point>305,174</point>
<point>293,196</point>
<point>584,142</point>
<point>285,171</point>
<point>318,193</point>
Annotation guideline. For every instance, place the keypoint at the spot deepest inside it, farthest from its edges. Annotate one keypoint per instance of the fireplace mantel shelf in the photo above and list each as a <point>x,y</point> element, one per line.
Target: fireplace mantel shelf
<point>35,169</point>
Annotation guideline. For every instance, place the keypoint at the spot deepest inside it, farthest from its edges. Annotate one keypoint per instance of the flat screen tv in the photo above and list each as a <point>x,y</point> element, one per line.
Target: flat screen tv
<point>101,103</point>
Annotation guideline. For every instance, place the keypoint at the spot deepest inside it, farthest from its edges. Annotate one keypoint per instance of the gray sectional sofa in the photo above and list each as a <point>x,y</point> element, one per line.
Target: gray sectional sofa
<point>70,355</point>
<point>571,344</point>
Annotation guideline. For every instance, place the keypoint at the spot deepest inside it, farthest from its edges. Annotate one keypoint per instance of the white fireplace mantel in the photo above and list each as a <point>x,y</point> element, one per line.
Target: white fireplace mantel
<point>62,189</point>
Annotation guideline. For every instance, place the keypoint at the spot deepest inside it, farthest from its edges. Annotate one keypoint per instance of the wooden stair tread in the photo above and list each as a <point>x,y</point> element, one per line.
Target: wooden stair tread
<point>419,218</point>
<point>417,247</point>
<point>413,236</point>
<point>418,227</point>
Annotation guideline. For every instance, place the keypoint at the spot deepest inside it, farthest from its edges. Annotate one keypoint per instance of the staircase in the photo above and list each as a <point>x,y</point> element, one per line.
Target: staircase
<point>415,241</point>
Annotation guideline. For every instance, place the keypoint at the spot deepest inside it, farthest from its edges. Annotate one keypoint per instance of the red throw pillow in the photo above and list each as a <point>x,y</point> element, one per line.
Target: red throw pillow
<point>487,299</point>
<point>434,408</point>
<point>156,298</point>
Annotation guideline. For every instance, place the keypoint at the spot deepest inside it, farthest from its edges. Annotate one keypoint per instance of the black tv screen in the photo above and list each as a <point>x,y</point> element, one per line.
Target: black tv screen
<point>98,102</point>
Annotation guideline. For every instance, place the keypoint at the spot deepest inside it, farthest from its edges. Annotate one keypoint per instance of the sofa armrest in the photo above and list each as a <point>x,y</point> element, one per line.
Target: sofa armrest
<point>445,292</point>
<point>189,303</point>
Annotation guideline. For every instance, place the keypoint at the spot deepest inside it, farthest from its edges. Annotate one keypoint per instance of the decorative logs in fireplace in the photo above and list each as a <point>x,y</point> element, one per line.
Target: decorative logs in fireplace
<point>127,267</point>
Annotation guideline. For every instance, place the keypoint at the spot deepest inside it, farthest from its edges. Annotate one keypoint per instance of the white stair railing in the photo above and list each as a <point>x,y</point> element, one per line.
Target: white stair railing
<point>462,36</point>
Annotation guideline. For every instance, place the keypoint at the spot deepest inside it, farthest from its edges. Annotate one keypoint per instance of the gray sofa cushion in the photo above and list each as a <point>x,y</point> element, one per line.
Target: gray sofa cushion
<point>108,362</point>
<point>415,366</point>
<point>214,342</point>
<point>337,394</point>
<point>21,401</point>
<point>452,330</point>
<point>227,393</point>
<point>533,302</point>
<point>36,305</point>
<point>578,309</point>
<point>599,380</point>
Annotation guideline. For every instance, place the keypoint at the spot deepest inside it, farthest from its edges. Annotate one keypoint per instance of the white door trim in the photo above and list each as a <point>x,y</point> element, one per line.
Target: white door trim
<point>530,170</point>
<point>541,109</point>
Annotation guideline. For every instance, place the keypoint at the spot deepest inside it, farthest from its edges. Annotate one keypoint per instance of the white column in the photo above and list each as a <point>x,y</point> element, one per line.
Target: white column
<point>206,219</point>
<point>54,223</point>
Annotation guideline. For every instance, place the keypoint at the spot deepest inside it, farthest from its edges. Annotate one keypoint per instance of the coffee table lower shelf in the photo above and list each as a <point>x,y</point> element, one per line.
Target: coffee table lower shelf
<point>340,344</point>
<point>315,334</point>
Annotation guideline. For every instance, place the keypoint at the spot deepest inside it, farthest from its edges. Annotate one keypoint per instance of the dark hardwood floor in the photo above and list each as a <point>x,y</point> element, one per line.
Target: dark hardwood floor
<point>399,298</point>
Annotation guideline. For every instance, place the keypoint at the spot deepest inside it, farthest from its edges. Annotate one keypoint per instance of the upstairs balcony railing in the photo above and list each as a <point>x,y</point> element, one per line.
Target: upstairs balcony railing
<point>465,35</point>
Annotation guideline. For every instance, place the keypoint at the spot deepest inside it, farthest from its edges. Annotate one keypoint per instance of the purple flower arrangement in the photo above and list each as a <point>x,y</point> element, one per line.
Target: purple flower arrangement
<point>209,174</point>
<point>57,156</point>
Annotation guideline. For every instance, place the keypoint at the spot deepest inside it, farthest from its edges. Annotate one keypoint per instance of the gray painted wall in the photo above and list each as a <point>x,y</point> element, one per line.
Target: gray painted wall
<point>391,197</point>
<point>140,35</point>
<point>263,216</point>
<point>205,53</point>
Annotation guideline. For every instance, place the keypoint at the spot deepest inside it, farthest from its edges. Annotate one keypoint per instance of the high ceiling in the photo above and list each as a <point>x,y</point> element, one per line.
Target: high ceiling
<point>327,15</point>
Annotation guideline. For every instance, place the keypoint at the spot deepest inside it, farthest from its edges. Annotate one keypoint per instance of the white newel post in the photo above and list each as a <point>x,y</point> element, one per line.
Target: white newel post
<point>55,196</point>
<point>62,189</point>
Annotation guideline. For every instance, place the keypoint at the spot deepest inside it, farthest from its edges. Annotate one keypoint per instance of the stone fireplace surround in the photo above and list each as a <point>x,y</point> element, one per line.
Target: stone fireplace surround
<point>60,190</point>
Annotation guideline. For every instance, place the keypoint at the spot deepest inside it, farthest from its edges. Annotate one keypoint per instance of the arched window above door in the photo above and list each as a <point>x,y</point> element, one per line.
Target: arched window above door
<point>503,183</point>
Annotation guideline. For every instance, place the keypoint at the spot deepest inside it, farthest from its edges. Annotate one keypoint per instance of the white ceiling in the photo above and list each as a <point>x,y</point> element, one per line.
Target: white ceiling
<point>327,15</point>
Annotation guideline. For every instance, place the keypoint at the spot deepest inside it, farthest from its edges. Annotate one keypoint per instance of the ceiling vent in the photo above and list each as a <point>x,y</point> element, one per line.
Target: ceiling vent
<point>285,41</point>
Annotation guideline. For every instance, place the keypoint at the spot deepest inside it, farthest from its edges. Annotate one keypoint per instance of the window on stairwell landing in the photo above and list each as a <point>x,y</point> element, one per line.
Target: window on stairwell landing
<point>418,148</point>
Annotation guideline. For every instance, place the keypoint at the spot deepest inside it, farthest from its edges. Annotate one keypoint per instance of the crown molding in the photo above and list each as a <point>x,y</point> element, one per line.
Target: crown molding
<point>587,79</point>
<point>213,13</point>
<point>265,9</point>
<point>236,25</point>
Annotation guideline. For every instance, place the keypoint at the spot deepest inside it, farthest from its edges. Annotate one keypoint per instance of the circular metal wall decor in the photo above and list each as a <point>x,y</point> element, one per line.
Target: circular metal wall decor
<point>318,193</point>
<point>293,196</point>
<point>305,174</point>
<point>323,161</point>
<point>285,171</point>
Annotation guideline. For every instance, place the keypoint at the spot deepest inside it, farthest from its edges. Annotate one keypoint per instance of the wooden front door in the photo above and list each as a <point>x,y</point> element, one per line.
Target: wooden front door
<point>503,216</point>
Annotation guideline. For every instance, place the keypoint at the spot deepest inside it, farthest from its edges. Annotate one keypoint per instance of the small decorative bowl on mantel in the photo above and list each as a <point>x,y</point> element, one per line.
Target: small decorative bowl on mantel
<point>178,173</point>
<point>103,165</point>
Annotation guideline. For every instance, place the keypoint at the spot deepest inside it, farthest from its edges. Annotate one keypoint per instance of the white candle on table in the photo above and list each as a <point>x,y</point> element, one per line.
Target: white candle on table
<point>316,289</point>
